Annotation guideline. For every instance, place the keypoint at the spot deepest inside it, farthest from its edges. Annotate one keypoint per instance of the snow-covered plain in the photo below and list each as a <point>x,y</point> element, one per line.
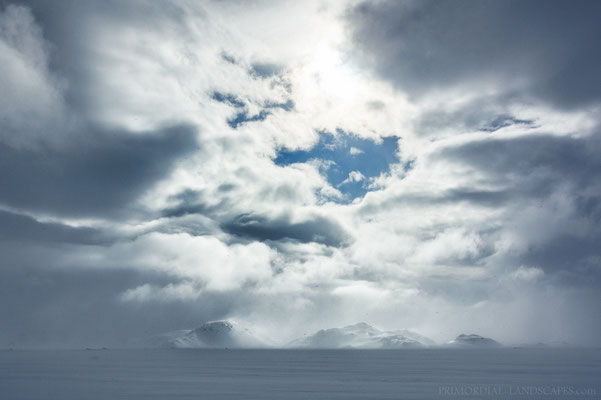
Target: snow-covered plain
<point>186,374</point>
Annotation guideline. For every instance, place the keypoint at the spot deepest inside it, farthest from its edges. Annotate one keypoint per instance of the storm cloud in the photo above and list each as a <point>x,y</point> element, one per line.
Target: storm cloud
<point>101,173</point>
<point>316,229</point>
<point>528,48</point>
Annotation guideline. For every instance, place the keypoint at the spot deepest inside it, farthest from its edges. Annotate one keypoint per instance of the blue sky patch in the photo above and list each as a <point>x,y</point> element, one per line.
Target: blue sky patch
<point>227,98</point>
<point>348,160</point>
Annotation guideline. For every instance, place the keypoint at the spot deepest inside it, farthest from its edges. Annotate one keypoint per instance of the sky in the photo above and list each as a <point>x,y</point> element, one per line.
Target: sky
<point>293,166</point>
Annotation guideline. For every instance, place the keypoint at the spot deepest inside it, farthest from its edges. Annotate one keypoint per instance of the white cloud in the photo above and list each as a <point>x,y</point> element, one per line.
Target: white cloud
<point>353,176</point>
<point>527,274</point>
<point>354,151</point>
<point>31,105</point>
<point>170,292</point>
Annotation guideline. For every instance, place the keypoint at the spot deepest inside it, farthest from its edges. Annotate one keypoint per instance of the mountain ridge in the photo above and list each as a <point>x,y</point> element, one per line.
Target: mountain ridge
<point>361,335</point>
<point>225,334</point>
<point>221,334</point>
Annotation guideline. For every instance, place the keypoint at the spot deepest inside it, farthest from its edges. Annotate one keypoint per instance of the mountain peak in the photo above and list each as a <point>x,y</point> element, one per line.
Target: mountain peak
<point>361,335</point>
<point>213,334</point>
<point>473,340</point>
<point>216,326</point>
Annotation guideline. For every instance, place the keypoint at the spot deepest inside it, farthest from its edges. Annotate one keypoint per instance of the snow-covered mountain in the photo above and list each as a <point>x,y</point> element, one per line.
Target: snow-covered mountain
<point>229,334</point>
<point>361,336</point>
<point>469,341</point>
<point>215,334</point>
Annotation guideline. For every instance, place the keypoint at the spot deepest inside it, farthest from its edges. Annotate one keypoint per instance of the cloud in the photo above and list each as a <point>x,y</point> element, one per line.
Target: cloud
<point>170,292</point>
<point>353,176</point>
<point>527,274</point>
<point>265,70</point>
<point>354,151</point>
<point>243,117</point>
<point>314,229</point>
<point>535,162</point>
<point>20,228</point>
<point>517,47</point>
<point>497,202</point>
<point>48,305</point>
<point>98,174</point>
<point>415,164</point>
<point>31,103</point>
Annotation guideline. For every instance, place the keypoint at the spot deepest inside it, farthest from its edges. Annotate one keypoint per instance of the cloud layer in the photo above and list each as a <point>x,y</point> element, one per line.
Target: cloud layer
<point>427,165</point>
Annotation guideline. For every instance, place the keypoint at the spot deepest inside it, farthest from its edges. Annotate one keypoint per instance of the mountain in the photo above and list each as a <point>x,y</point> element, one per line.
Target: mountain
<point>211,335</point>
<point>473,341</point>
<point>361,336</point>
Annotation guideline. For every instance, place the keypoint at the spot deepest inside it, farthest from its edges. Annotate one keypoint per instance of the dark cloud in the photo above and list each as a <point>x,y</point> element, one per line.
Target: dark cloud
<point>470,195</point>
<point>189,202</point>
<point>21,228</point>
<point>572,259</point>
<point>226,187</point>
<point>251,226</point>
<point>490,198</point>
<point>548,159</point>
<point>485,113</point>
<point>548,48</point>
<point>316,229</point>
<point>243,117</point>
<point>265,70</point>
<point>534,169</point>
<point>503,121</point>
<point>99,174</point>
<point>228,58</point>
<point>42,304</point>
